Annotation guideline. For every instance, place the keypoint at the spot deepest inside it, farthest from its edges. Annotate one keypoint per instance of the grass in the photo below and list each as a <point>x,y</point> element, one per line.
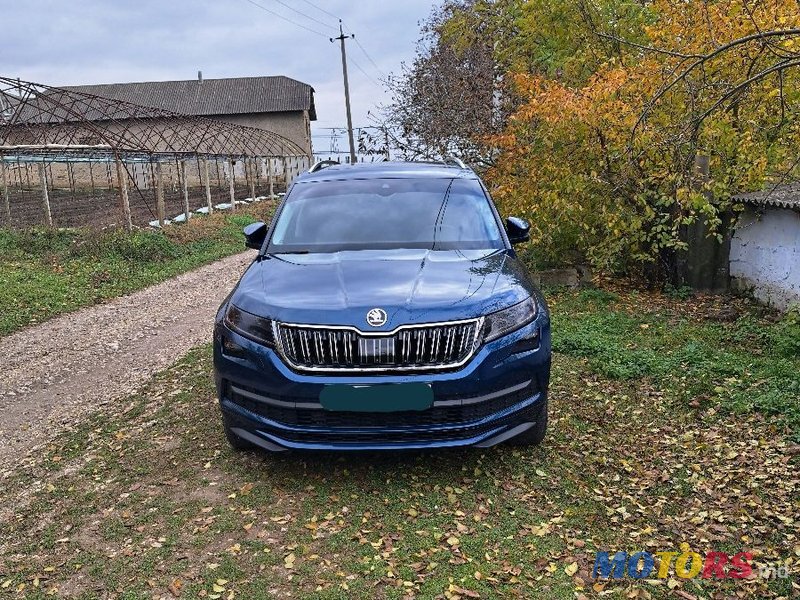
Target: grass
<point>673,421</point>
<point>47,272</point>
<point>707,351</point>
<point>149,501</point>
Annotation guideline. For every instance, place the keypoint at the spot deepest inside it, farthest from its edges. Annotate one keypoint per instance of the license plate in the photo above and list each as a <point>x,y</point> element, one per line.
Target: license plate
<point>377,398</point>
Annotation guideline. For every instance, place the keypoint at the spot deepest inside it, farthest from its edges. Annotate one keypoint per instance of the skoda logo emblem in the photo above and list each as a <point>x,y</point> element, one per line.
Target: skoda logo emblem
<point>376,317</point>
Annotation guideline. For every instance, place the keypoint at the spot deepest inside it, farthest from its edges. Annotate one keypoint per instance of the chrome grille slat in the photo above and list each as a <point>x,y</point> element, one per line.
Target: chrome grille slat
<point>412,347</point>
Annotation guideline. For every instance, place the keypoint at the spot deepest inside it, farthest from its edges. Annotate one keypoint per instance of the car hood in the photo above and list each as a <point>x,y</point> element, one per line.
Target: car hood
<point>412,286</point>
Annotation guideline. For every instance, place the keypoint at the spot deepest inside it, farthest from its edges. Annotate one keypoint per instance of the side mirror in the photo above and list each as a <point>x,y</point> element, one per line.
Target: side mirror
<point>254,235</point>
<point>519,230</point>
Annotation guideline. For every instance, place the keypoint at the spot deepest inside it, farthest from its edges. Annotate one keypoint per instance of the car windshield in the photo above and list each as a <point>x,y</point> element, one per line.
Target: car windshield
<point>363,214</point>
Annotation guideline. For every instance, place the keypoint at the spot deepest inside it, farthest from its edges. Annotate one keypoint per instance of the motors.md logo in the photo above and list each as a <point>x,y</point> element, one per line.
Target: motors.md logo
<point>685,564</point>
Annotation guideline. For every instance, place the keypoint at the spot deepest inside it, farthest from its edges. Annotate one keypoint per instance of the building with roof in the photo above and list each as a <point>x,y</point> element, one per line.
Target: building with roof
<point>68,154</point>
<point>765,246</point>
<point>278,104</point>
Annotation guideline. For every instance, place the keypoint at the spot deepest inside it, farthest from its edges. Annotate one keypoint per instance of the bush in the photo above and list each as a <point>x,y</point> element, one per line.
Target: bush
<point>138,246</point>
<point>36,241</point>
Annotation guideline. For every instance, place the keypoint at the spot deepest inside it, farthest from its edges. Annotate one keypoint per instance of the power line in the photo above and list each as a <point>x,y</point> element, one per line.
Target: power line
<point>287,19</point>
<point>319,8</point>
<point>315,31</point>
<point>367,75</point>
<point>330,14</point>
<point>369,58</point>
<point>365,53</point>
<point>299,12</point>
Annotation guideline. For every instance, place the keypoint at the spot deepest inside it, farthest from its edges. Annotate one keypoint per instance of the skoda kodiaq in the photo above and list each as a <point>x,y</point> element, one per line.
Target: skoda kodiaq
<point>386,309</point>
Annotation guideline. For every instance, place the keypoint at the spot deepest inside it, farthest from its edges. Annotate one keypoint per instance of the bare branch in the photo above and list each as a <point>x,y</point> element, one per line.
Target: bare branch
<point>764,35</point>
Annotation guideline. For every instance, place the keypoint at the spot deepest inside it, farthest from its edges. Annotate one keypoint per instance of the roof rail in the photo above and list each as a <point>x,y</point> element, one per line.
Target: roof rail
<point>452,160</point>
<point>321,164</point>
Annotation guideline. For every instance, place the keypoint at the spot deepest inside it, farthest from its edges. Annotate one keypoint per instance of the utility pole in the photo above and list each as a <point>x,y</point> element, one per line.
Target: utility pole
<point>342,37</point>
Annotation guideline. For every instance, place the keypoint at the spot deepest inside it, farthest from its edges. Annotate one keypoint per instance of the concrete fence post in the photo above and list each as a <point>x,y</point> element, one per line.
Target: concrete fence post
<point>208,186</point>
<point>6,196</point>
<point>270,178</point>
<point>185,179</point>
<point>160,195</point>
<point>45,195</point>
<point>122,179</point>
<point>232,187</point>
<point>252,177</point>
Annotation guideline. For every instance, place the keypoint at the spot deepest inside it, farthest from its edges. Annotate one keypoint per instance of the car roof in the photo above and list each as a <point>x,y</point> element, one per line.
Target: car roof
<point>387,170</point>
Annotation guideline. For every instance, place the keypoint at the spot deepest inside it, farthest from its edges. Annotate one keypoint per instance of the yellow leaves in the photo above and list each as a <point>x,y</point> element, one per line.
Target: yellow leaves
<point>673,583</point>
<point>175,587</point>
<point>569,160</point>
<point>218,588</point>
<point>571,569</point>
<point>288,560</point>
<point>599,586</point>
<point>540,530</point>
<point>455,592</point>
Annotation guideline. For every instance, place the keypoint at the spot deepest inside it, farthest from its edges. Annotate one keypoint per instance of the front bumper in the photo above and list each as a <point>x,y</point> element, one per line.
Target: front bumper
<point>497,395</point>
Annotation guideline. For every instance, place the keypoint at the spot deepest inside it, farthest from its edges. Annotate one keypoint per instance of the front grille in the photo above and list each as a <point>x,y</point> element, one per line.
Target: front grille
<point>414,347</point>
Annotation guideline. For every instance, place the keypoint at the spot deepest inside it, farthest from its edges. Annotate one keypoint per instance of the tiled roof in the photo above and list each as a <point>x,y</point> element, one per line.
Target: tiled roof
<point>230,96</point>
<point>781,196</point>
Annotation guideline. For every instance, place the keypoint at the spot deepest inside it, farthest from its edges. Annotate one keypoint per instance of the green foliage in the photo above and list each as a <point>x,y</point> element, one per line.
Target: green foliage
<point>683,292</point>
<point>36,241</point>
<point>597,296</point>
<point>555,39</point>
<point>152,246</point>
<point>784,337</point>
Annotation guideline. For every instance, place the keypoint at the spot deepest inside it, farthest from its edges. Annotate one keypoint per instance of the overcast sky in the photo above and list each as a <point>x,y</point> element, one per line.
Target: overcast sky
<point>61,42</point>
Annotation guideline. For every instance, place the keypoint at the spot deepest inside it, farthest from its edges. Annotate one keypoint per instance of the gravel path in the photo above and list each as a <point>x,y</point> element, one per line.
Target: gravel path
<point>53,374</point>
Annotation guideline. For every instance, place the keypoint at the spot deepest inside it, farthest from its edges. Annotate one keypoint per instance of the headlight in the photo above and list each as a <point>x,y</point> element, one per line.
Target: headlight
<point>250,326</point>
<point>509,319</point>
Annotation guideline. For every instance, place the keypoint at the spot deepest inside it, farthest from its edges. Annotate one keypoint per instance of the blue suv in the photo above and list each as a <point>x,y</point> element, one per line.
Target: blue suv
<point>386,309</point>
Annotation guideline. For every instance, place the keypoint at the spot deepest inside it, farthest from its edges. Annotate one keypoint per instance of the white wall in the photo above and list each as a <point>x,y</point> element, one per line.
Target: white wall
<point>765,256</point>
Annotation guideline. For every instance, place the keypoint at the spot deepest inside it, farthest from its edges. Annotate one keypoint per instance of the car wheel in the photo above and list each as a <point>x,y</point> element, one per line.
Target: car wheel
<point>234,440</point>
<point>534,435</point>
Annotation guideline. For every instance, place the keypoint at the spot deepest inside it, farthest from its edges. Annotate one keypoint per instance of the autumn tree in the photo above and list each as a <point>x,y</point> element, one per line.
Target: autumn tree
<point>610,103</point>
<point>448,100</point>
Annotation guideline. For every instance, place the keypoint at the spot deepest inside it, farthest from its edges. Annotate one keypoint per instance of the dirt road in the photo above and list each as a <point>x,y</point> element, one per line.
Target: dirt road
<point>53,374</point>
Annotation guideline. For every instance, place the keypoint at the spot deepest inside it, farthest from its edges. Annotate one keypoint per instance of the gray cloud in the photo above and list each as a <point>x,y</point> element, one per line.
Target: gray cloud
<point>105,41</point>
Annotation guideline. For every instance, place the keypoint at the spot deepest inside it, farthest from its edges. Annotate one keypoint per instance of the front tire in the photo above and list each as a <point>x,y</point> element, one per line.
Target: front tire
<point>534,435</point>
<point>234,440</point>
